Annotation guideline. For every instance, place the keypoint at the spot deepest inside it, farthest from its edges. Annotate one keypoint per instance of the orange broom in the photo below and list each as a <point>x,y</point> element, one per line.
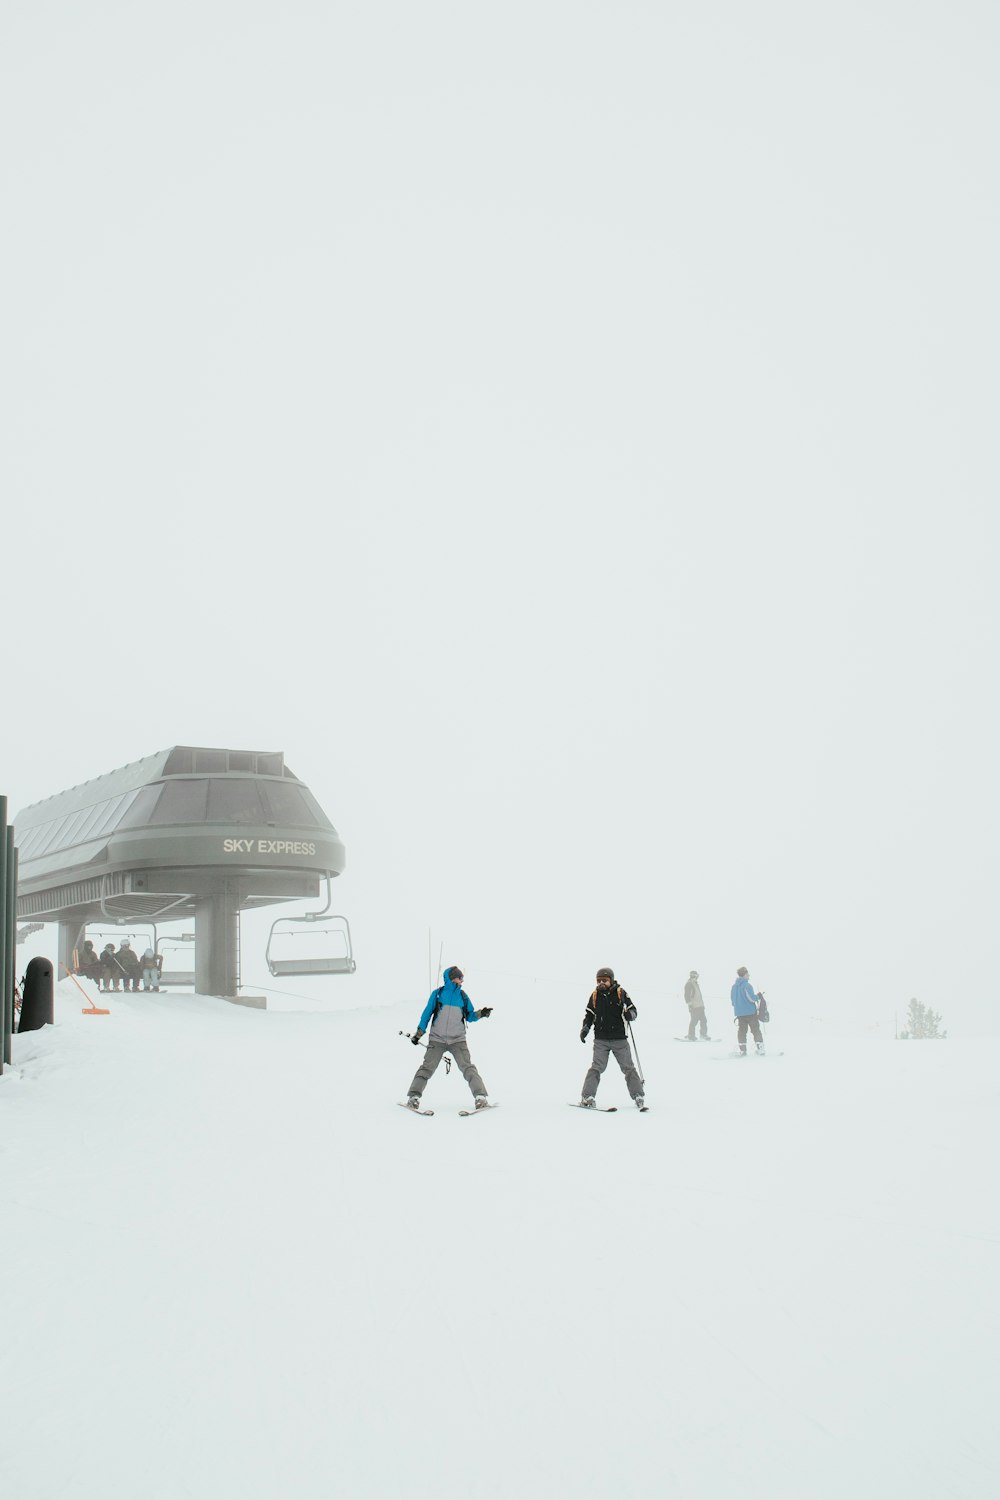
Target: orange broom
<point>91,1008</point>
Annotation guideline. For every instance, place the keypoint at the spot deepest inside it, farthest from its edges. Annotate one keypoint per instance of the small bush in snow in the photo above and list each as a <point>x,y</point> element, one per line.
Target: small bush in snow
<point>922,1024</point>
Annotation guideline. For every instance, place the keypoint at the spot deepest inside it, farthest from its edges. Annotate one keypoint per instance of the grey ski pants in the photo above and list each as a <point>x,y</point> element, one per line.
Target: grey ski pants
<point>697,1019</point>
<point>432,1059</point>
<point>623,1057</point>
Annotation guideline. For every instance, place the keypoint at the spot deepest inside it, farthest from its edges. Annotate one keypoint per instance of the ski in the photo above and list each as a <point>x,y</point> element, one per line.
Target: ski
<point>597,1109</point>
<point>463,1113</point>
<point>697,1039</point>
<point>414,1111</point>
<point>730,1056</point>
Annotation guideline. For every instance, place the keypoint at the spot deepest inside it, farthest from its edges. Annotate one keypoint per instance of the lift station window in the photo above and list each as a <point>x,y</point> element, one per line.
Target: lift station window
<point>235,802</point>
<point>181,802</point>
<point>180,761</point>
<point>200,800</point>
<point>291,807</point>
<point>142,809</point>
<point>188,760</point>
<point>211,760</point>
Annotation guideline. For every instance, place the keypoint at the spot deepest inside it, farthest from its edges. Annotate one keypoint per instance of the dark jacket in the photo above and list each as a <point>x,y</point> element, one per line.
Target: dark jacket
<point>128,961</point>
<point>87,959</point>
<point>607,1011</point>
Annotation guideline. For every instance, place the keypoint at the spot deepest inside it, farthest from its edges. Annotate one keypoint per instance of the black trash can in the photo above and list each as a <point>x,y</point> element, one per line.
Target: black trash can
<point>38,996</point>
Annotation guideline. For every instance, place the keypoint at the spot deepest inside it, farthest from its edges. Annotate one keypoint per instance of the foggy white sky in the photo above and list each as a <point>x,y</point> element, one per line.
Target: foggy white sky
<point>567,430</point>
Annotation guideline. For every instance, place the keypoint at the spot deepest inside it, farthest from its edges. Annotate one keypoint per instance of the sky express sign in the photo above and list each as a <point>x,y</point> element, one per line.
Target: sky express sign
<point>268,846</point>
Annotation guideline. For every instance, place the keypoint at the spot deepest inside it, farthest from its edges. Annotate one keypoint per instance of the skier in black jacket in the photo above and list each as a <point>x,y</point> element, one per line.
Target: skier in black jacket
<point>607,1011</point>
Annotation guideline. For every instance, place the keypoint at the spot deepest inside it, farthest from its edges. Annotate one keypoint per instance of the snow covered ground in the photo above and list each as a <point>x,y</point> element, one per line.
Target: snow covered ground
<point>232,1267</point>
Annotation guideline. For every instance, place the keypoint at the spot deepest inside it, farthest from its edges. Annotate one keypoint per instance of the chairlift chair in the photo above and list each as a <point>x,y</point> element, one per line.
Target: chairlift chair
<point>332,931</point>
<point>335,931</point>
<point>172,948</point>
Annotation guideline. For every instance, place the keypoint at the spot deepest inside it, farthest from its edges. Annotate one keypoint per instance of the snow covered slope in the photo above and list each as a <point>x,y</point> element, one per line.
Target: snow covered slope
<point>232,1267</point>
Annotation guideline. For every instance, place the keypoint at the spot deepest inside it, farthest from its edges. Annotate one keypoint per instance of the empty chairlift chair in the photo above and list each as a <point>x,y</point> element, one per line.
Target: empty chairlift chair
<point>318,943</point>
<point>177,954</point>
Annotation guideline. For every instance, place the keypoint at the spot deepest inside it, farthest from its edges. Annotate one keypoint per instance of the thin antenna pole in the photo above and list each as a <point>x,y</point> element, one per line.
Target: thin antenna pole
<point>430,976</point>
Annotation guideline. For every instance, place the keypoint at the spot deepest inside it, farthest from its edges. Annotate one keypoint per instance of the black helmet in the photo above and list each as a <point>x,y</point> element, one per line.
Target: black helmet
<point>454,974</point>
<point>605,973</point>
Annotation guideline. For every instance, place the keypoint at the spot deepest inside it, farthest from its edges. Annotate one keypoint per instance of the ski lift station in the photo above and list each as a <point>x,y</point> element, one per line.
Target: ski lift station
<point>188,833</point>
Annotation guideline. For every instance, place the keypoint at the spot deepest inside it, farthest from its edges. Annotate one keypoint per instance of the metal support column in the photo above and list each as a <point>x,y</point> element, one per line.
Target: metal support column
<point>216,943</point>
<point>69,937</point>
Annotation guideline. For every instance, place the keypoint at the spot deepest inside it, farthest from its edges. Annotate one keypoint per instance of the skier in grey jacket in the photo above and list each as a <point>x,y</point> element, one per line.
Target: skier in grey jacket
<point>446,1014</point>
<point>696,1006</point>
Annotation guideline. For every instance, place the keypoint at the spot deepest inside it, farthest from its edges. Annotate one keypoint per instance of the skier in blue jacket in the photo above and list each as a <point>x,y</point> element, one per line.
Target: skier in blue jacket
<point>446,1014</point>
<point>745,1009</point>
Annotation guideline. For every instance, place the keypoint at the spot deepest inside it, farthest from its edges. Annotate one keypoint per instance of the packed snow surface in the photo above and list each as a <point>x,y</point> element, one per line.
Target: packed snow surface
<point>233,1267</point>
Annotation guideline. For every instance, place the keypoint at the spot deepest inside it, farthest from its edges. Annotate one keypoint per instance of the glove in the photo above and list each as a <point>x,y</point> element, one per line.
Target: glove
<point>630,1012</point>
<point>415,1038</point>
<point>584,1033</point>
<point>487,1010</point>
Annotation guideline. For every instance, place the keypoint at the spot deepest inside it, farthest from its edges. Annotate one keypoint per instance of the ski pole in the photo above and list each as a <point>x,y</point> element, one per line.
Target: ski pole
<point>638,1064</point>
<point>447,1059</point>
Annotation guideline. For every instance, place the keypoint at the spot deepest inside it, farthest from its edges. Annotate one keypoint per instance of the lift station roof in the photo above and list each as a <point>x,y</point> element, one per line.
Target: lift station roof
<point>153,838</point>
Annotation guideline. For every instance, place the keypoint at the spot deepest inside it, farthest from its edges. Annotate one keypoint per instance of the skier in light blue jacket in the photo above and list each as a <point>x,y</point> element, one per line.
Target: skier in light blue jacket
<point>446,1014</point>
<point>745,1009</point>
